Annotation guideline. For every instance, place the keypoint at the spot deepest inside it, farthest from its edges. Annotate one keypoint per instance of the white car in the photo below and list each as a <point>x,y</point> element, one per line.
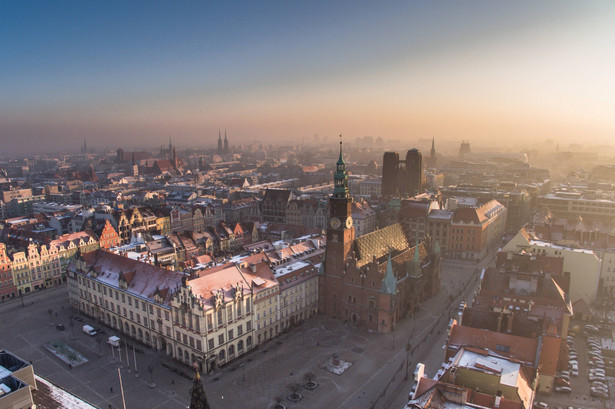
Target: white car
<point>563,389</point>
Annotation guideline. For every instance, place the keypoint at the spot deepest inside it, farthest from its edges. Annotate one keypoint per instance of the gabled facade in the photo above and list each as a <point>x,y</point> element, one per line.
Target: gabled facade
<point>7,287</point>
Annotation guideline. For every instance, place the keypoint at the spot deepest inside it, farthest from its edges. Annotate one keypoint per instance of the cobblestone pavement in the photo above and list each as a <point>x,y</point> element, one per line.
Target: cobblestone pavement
<point>376,378</point>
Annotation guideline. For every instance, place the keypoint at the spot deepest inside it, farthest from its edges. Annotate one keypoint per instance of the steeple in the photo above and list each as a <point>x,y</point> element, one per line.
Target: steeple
<point>340,178</point>
<point>433,147</point>
<point>225,142</point>
<point>219,142</point>
<point>389,283</point>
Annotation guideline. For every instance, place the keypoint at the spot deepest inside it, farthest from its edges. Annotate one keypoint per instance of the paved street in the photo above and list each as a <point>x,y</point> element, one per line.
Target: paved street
<point>376,378</point>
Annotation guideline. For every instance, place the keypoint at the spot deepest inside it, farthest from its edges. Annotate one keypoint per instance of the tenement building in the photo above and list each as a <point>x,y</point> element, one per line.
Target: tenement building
<point>377,279</point>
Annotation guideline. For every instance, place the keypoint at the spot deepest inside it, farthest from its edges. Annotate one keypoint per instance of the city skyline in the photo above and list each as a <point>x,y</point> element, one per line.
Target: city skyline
<point>135,74</point>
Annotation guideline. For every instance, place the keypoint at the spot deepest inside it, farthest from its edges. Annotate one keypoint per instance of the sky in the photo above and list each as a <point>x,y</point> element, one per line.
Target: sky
<point>128,74</point>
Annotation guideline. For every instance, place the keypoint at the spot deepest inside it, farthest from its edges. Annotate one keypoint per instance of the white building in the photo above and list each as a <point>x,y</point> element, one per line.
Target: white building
<point>584,265</point>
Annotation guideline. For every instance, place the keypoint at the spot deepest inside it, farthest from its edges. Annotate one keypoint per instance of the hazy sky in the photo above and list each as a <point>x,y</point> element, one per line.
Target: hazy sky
<point>129,73</point>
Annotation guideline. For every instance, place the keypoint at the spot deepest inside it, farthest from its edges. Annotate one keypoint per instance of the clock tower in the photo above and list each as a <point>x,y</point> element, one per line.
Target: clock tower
<point>340,237</point>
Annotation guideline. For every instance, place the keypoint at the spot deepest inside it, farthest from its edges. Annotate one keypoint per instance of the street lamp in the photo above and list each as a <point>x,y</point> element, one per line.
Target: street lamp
<point>408,347</point>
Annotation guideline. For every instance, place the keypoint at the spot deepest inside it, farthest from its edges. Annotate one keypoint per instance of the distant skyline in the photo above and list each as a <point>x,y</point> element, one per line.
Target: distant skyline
<point>136,73</point>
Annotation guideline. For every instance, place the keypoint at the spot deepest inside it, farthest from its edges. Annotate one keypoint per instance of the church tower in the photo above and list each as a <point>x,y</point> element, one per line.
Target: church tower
<point>225,142</point>
<point>219,142</point>
<point>340,236</point>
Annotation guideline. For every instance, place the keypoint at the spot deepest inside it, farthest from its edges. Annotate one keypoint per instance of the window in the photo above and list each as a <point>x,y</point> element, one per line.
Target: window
<point>219,317</point>
<point>248,325</point>
<point>221,339</point>
<point>502,348</point>
<point>210,344</point>
<point>239,330</point>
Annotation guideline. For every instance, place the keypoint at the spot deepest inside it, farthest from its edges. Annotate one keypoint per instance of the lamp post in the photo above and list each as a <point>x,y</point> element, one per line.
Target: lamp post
<point>408,347</point>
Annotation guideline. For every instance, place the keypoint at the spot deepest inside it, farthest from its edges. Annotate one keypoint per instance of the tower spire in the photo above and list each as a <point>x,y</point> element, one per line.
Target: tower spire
<point>341,176</point>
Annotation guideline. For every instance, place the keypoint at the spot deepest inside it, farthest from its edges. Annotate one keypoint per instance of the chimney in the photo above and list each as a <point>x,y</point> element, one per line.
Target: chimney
<point>498,399</point>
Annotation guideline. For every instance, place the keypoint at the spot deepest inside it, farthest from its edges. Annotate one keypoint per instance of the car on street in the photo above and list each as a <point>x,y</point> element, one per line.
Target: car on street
<point>60,327</point>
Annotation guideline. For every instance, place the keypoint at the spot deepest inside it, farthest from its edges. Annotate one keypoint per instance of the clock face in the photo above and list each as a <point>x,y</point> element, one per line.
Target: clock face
<point>349,222</point>
<point>335,223</point>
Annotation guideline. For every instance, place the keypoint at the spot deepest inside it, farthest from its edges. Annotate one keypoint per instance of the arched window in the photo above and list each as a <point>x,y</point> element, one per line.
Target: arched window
<point>231,350</point>
<point>140,334</point>
<point>133,331</point>
<point>240,345</point>
<point>249,341</point>
<point>221,355</point>
<point>126,328</point>
<point>180,353</point>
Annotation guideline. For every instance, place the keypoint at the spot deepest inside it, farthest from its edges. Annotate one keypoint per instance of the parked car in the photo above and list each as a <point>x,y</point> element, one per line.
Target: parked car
<point>575,372</point>
<point>563,389</point>
<point>598,393</point>
<point>541,405</point>
<point>60,327</point>
<point>562,382</point>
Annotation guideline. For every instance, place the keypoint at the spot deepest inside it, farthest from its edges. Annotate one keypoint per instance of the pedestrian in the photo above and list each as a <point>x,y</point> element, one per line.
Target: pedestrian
<point>172,381</point>
<point>70,366</point>
<point>111,389</point>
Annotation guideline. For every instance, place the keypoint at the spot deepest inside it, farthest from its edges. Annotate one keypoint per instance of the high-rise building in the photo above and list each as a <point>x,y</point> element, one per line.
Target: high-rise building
<point>402,177</point>
<point>414,172</point>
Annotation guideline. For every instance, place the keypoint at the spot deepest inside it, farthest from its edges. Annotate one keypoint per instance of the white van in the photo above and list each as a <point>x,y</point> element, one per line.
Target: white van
<point>113,341</point>
<point>89,330</point>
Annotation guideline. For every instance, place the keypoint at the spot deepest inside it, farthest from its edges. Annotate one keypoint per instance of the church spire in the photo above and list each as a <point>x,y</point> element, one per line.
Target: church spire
<point>389,283</point>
